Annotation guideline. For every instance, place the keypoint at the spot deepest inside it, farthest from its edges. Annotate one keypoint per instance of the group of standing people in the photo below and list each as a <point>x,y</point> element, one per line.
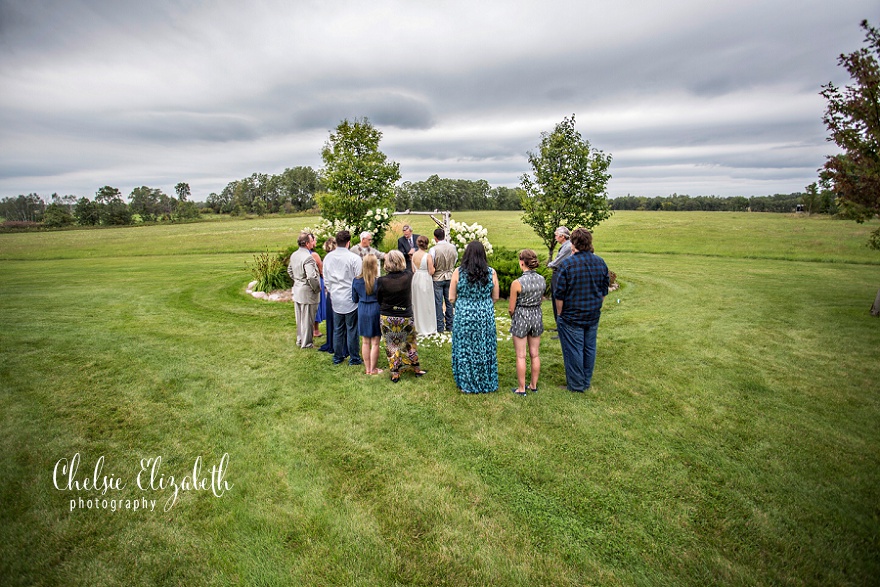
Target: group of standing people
<point>432,273</point>
<point>422,293</point>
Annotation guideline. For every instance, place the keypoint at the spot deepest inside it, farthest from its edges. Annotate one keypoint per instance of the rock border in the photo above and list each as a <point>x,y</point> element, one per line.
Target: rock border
<point>279,295</point>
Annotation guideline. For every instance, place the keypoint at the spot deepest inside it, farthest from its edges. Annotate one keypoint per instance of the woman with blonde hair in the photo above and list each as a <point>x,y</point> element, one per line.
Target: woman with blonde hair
<point>394,292</point>
<point>363,293</point>
<point>526,321</point>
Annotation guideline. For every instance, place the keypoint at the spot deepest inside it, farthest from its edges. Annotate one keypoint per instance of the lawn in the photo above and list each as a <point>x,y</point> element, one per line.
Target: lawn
<point>732,439</point>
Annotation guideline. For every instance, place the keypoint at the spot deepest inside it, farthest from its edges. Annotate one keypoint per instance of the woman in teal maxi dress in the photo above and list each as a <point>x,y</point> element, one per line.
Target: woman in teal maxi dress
<point>474,290</point>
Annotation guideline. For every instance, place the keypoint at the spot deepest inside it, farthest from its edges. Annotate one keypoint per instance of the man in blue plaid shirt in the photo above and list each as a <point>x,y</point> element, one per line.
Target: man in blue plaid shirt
<point>580,290</point>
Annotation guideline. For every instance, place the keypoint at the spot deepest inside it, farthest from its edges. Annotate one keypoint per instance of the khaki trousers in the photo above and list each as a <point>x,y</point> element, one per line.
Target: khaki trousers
<point>305,323</point>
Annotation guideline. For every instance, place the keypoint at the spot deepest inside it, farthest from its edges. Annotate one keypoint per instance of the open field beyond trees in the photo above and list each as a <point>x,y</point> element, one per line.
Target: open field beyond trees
<point>733,437</point>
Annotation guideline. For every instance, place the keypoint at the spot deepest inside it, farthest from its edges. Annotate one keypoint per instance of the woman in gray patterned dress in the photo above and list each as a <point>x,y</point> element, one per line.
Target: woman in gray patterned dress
<point>526,322</point>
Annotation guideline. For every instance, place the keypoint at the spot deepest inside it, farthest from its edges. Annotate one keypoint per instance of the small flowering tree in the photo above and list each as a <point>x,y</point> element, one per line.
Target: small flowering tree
<point>358,176</point>
<point>460,234</point>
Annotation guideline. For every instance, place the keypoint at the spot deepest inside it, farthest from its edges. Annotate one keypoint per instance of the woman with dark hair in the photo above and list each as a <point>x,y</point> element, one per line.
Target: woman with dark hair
<point>474,290</point>
<point>526,321</point>
<point>424,316</point>
<point>394,292</point>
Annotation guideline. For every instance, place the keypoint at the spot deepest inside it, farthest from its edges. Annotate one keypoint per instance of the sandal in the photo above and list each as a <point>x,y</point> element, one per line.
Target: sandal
<point>532,389</point>
<point>420,373</point>
<point>395,378</point>
<point>518,392</point>
<point>377,371</point>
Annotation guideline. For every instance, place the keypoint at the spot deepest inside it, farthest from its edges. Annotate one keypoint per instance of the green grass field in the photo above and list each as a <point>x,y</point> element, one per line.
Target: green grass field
<point>733,438</point>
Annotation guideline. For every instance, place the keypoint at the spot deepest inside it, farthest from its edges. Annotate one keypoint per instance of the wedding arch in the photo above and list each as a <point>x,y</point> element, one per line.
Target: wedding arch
<point>447,217</point>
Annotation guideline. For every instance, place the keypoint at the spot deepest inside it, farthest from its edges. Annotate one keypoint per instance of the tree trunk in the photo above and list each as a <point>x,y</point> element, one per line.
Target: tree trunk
<point>875,309</point>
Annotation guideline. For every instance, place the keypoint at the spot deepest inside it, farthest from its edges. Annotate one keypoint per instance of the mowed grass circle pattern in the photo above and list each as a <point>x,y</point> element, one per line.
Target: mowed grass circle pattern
<point>732,438</point>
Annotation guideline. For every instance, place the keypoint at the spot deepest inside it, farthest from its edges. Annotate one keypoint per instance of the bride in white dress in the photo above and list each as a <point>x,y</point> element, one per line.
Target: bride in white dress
<point>424,316</point>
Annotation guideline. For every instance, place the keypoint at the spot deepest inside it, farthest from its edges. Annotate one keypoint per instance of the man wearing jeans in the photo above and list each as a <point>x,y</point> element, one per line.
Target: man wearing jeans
<point>581,287</point>
<point>341,266</point>
<point>445,257</point>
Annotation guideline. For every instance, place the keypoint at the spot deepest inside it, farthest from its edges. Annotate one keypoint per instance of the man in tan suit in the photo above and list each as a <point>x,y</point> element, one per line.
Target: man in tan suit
<point>306,289</point>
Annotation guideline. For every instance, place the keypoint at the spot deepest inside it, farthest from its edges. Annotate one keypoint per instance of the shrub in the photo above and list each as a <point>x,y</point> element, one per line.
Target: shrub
<point>874,240</point>
<point>270,272</point>
<point>505,262</point>
<point>20,226</point>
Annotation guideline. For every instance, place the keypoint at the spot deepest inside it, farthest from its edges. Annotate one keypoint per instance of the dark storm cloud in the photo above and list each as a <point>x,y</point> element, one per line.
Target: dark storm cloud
<point>382,108</point>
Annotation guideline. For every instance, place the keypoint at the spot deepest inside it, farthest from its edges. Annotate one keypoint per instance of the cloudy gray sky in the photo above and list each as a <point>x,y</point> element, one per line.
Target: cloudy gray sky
<point>688,96</point>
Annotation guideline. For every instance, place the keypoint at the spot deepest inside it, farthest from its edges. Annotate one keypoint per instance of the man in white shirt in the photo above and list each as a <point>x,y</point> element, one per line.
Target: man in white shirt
<point>341,266</point>
<point>445,258</point>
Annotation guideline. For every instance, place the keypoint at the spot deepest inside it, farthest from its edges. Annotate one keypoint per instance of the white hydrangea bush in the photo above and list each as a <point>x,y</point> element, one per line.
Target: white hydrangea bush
<point>461,233</point>
<point>324,229</point>
<point>375,221</point>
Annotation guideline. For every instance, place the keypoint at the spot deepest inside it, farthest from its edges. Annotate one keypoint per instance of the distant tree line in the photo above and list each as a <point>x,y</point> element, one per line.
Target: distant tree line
<point>107,208</point>
<point>813,201</point>
<point>299,188</point>
<point>293,190</point>
<point>456,194</point>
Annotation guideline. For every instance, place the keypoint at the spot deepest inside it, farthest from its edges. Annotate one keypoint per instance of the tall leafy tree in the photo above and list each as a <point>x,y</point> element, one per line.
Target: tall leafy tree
<point>357,175</point>
<point>183,208</point>
<point>853,119</point>
<point>27,208</point>
<point>507,198</point>
<point>67,202</point>
<point>112,210</point>
<point>57,215</point>
<point>299,185</point>
<point>568,184</point>
<point>183,191</point>
<point>148,203</point>
<point>86,212</point>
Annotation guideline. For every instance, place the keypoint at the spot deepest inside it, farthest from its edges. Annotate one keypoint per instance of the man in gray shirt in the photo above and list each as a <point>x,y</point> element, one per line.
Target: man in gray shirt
<point>562,237</point>
<point>365,247</point>
<point>445,257</point>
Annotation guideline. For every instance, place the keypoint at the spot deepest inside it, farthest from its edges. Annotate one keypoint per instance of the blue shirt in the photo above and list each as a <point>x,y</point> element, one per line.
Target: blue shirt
<point>582,285</point>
